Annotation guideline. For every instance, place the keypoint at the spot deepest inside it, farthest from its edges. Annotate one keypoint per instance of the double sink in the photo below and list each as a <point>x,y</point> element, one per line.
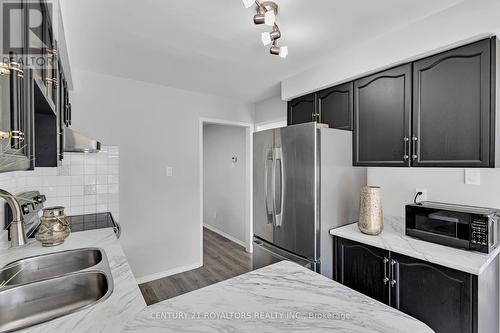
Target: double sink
<point>38,289</point>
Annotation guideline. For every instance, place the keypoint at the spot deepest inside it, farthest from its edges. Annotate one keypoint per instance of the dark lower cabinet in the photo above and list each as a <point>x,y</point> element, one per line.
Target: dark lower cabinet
<point>452,114</point>
<point>382,118</point>
<point>438,296</point>
<point>302,110</point>
<point>445,299</point>
<point>335,106</point>
<point>361,268</point>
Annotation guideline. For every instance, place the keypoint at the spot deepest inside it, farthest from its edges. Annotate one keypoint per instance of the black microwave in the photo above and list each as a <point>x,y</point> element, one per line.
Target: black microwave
<point>464,227</point>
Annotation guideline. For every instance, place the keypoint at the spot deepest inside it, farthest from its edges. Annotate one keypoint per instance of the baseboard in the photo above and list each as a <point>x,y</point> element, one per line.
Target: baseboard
<point>223,234</point>
<point>160,275</point>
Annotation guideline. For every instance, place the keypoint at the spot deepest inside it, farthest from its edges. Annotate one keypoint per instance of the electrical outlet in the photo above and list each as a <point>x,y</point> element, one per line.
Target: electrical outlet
<point>423,196</point>
<point>170,171</point>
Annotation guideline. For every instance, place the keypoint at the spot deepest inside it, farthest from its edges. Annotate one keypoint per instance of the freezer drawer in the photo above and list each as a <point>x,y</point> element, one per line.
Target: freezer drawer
<point>265,254</point>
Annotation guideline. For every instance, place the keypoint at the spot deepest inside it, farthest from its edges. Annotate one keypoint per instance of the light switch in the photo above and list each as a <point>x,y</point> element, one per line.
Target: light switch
<point>170,171</point>
<point>472,176</point>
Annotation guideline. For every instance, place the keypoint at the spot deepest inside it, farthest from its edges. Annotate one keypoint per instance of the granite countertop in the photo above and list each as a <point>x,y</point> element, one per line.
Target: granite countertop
<point>284,297</point>
<point>393,239</point>
<point>110,315</point>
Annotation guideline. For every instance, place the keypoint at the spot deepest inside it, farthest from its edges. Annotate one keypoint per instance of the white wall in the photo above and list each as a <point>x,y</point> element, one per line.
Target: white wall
<point>224,182</point>
<point>270,110</point>
<point>155,127</point>
<point>465,20</point>
<point>443,185</point>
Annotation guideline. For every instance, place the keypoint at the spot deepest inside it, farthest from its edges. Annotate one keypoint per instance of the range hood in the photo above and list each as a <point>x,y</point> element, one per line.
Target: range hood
<point>76,142</point>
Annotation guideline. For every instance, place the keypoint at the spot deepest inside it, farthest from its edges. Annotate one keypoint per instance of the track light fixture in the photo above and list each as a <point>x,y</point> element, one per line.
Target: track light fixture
<point>281,51</point>
<point>266,14</point>
<point>269,37</point>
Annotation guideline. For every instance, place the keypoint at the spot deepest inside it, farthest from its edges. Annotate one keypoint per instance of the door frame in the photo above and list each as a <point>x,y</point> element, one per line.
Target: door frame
<point>249,129</point>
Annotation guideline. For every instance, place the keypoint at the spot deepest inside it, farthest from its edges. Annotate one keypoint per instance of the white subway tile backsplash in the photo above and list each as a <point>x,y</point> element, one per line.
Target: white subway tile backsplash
<point>78,210</point>
<point>102,198</point>
<point>77,190</point>
<point>90,189</point>
<point>77,201</point>
<point>113,188</point>
<point>101,208</point>
<point>64,191</point>
<point>64,170</point>
<point>101,189</point>
<point>80,184</point>
<point>77,169</point>
<point>112,179</point>
<point>62,180</point>
<point>102,179</point>
<point>92,209</point>
<point>90,200</point>
<point>77,180</point>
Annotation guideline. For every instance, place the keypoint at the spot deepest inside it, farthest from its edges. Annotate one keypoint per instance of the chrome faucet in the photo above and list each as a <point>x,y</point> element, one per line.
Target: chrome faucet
<point>17,232</point>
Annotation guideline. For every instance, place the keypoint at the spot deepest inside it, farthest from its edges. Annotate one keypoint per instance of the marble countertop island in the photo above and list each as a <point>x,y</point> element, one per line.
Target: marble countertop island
<point>112,314</point>
<point>284,297</point>
<point>393,239</point>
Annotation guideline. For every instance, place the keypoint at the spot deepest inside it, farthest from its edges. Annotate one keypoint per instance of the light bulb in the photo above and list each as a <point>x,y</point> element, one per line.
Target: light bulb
<point>269,18</point>
<point>266,38</point>
<point>248,3</point>
<point>283,52</point>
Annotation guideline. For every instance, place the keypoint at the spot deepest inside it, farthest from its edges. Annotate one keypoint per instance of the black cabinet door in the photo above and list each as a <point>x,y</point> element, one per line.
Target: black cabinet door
<point>451,108</point>
<point>335,106</point>
<point>15,117</point>
<point>438,296</point>
<point>382,107</point>
<point>302,110</point>
<point>363,268</point>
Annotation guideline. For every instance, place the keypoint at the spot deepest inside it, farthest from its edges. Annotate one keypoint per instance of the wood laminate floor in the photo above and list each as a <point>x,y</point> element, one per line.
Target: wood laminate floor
<point>222,259</point>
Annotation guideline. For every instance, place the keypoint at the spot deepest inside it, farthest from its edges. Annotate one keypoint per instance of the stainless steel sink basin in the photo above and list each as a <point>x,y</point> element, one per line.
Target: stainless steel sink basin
<point>52,286</point>
<point>49,265</point>
<point>34,303</point>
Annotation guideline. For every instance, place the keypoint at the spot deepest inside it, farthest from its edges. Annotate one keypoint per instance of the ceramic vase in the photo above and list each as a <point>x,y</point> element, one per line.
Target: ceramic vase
<point>371,216</point>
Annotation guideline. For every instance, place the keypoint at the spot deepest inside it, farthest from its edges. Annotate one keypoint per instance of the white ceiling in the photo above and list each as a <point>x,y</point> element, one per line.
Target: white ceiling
<point>214,47</point>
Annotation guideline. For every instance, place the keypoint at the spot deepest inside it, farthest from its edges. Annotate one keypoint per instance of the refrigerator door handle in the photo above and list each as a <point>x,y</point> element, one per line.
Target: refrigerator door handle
<point>269,210</point>
<point>278,215</point>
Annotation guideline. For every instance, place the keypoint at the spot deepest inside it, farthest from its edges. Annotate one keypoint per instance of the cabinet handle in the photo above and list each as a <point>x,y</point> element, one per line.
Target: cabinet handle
<point>52,52</point>
<point>386,279</point>
<point>405,141</point>
<point>18,135</point>
<point>414,148</point>
<point>393,280</point>
<point>6,68</point>
<point>51,81</point>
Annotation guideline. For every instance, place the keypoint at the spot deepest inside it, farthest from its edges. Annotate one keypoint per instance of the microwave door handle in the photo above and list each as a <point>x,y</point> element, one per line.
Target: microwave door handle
<point>278,156</point>
<point>269,210</point>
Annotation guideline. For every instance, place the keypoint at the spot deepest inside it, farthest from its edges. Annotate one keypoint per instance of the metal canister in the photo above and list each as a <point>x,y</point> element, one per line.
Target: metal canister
<point>54,227</point>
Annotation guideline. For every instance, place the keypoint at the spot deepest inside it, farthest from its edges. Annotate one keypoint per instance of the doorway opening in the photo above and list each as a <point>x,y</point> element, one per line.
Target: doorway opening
<point>225,185</point>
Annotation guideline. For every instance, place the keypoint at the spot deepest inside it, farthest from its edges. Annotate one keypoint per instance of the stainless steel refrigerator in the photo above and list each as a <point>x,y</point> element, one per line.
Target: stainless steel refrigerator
<point>304,184</point>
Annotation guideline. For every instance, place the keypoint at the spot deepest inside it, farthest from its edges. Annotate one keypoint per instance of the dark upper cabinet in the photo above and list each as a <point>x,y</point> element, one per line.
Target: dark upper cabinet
<point>451,108</point>
<point>382,117</point>
<point>302,110</point>
<point>335,106</point>
<point>422,290</point>
<point>15,117</point>
<point>362,268</point>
